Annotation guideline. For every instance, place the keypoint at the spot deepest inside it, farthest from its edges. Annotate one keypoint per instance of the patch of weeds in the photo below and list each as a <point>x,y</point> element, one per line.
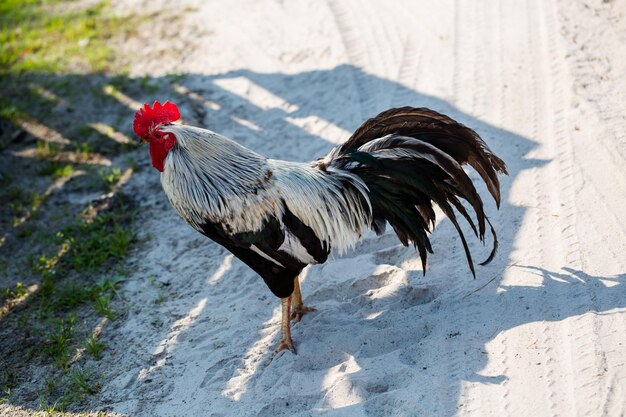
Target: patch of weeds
<point>7,397</point>
<point>49,386</point>
<point>82,150</point>
<point>85,246</point>
<point>8,380</point>
<point>10,111</point>
<point>56,170</point>
<point>64,171</point>
<point>59,298</point>
<point>71,296</point>
<point>110,177</point>
<point>94,347</point>
<point>110,284</point>
<point>92,243</point>
<point>9,298</point>
<point>81,383</point>
<point>24,204</point>
<point>160,299</point>
<point>62,306</point>
<point>152,280</point>
<point>51,410</point>
<point>10,294</point>
<point>47,150</point>
<point>74,386</point>
<point>58,343</point>
<point>102,304</point>
<point>48,267</point>
<point>35,200</point>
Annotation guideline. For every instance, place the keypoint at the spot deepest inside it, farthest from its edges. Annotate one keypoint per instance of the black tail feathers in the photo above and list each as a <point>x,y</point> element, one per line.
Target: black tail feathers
<point>410,158</point>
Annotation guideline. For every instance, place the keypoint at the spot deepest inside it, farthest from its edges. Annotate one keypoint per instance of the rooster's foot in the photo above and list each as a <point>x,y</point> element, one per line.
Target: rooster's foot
<point>299,311</point>
<point>285,344</point>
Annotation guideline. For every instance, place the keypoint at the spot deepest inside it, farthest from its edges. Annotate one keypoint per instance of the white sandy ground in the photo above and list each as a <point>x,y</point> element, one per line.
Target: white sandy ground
<point>542,329</point>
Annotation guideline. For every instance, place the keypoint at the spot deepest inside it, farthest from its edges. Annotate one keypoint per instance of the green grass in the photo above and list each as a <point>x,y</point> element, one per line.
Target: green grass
<point>82,149</point>
<point>152,281</point>
<point>57,170</point>
<point>86,245</point>
<point>110,284</point>
<point>94,347</point>
<point>58,299</point>
<point>71,295</point>
<point>50,410</point>
<point>37,37</point>
<point>12,294</point>
<point>40,42</point>
<point>48,268</point>
<point>82,382</point>
<point>47,150</point>
<point>8,380</point>
<point>78,383</point>
<point>93,243</point>
<point>59,341</point>
<point>7,397</point>
<point>102,304</point>
<point>23,203</point>
<point>82,247</point>
<point>110,177</point>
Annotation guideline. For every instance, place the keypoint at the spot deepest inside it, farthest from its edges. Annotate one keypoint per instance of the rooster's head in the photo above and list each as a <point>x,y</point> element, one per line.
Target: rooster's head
<point>148,125</point>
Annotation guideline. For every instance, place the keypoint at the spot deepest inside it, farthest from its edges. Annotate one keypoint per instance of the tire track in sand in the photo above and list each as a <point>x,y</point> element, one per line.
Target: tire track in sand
<point>545,191</point>
<point>477,21</point>
<point>356,54</point>
<point>587,359</point>
<point>458,364</point>
<point>497,92</point>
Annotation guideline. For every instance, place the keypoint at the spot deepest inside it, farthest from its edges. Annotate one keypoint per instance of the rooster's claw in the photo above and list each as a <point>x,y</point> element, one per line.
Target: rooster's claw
<point>285,345</point>
<point>299,311</point>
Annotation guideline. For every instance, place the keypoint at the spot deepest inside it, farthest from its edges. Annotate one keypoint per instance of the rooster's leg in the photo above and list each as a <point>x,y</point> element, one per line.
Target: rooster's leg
<point>299,309</point>
<point>285,326</point>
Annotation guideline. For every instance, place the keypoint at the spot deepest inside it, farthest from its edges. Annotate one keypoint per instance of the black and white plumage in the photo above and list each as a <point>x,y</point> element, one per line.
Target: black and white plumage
<point>278,217</point>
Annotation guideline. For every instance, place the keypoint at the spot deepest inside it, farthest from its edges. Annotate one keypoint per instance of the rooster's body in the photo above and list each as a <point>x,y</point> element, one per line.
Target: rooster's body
<point>278,217</point>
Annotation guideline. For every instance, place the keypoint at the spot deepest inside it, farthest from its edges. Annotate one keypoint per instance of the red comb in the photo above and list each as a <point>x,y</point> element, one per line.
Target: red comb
<point>147,117</point>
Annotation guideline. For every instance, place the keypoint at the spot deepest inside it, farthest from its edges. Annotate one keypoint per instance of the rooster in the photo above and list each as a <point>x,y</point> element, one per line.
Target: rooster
<point>278,216</point>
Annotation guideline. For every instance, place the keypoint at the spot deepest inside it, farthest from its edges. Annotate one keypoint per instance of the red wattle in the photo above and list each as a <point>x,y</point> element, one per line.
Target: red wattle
<point>159,150</point>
